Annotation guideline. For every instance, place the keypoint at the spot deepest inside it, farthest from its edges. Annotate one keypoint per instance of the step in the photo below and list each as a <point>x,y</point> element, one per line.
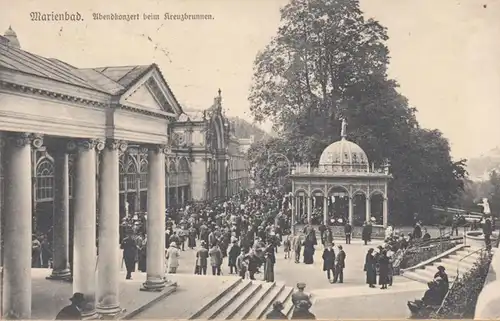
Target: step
<point>245,311</point>
<point>206,304</point>
<point>241,301</point>
<point>217,307</point>
<point>430,271</point>
<point>286,298</point>
<point>454,263</point>
<point>263,305</point>
<point>415,277</point>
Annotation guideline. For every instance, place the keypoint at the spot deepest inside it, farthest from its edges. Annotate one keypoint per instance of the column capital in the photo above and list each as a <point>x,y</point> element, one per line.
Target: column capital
<point>85,144</point>
<point>22,139</point>
<point>115,144</point>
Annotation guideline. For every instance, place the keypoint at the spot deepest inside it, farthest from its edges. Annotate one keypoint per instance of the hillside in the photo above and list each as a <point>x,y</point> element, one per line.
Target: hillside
<point>480,167</point>
<point>245,129</point>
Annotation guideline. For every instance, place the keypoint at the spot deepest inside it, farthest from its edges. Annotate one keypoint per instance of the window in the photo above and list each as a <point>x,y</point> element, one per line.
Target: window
<point>144,174</point>
<point>131,174</point>
<point>184,172</point>
<point>172,173</point>
<point>45,180</point>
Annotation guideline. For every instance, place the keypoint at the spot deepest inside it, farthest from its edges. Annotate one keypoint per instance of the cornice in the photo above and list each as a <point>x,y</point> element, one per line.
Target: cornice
<point>26,89</point>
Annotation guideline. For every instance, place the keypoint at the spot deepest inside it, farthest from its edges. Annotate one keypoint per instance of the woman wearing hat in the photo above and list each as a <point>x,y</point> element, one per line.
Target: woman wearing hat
<point>370,269</point>
<point>172,255</point>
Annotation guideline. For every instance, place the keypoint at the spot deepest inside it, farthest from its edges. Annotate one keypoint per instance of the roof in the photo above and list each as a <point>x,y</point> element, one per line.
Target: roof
<point>191,115</point>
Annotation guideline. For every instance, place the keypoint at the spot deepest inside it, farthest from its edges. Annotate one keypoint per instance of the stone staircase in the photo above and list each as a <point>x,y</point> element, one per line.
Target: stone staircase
<point>461,259</point>
<point>246,299</point>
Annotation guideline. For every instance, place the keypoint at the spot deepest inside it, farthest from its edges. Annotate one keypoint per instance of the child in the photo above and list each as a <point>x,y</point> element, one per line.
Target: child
<point>287,245</point>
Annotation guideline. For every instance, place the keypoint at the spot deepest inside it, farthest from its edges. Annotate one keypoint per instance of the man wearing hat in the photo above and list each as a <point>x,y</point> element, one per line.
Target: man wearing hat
<point>129,247</point>
<point>300,295</point>
<point>276,313</point>
<point>442,274</point>
<point>72,311</point>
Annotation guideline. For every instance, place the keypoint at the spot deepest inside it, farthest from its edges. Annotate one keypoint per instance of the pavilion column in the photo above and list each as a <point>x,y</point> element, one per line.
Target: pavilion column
<point>368,209</point>
<point>60,269</point>
<point>109,230</point>
<point>325,210</point>
<point>84,239</point>
<point>16,294</point>
<point>350,209</point>
<point>156,221</point>
<point>385,212</point>
<point>183,200</point>
<point>309,209</point>
<point>294,214</point>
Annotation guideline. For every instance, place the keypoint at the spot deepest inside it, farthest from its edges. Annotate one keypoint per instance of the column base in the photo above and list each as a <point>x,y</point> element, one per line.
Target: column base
<point>154,285</point>
<point>92,315</point>
<point>109,312</point>
<point>60,275</point>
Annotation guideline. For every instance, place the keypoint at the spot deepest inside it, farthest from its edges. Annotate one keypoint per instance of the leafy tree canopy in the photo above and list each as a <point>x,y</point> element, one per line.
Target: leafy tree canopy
<point>328,62</point>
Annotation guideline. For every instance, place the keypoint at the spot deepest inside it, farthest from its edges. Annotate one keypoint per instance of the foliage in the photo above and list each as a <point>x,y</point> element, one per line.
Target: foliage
<point>462,297</point>
<point>418,255</point>
<point>328,62</point>
<point>474,191</point>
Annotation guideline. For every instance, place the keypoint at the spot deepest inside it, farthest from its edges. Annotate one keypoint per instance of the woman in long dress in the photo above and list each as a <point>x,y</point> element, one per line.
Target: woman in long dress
<point>172,258</point>
<point>309,244</point>
<point>383,263</point>
<point>370,269</point>
<point>270,260</point>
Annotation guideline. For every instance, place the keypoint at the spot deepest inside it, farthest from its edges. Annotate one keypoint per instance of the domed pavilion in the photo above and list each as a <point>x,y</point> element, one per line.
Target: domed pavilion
<point>344,186</point>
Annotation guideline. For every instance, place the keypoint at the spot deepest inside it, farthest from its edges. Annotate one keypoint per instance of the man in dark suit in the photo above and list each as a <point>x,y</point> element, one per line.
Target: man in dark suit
<point>339,266</point>
<point>347,231</point>
<point>276,313</point>
<point>72,311</point>
<point>129,248</point>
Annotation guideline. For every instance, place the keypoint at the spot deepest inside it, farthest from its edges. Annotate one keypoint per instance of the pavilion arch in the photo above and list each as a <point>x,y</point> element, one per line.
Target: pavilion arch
<point>218,127</point>
<point>45,179</point>
<point>300,192</point>
<point>172,165</point>
<point>132,170</point>
<point>332,188</point>
<point>377,192</point>
<point>358,192</point>
<point>317,192</point>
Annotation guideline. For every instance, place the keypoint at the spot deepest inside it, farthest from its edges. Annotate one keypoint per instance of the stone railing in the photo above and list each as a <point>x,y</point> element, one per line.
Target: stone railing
<point>488,303</point>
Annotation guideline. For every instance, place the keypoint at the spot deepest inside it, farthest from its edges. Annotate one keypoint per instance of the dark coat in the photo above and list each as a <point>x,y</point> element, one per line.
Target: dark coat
<point>234,252</point>
<point>328,259</point>
<point>366,233</point>
<point>276,315</point>
<point>370,269</point>
<point>202,257</point>
<point>302,315</point>
<point>129,248</point>
<point>347,228</point>
<point>341,260</point>
<point>69,312</point>
<point>383,270</point>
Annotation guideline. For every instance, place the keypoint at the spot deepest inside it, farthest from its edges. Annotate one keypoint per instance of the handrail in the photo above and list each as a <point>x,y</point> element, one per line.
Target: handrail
<point>457,276</point>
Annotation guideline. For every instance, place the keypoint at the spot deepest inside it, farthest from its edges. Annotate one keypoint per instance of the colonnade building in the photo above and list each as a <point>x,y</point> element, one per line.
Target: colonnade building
<point>84,145</point>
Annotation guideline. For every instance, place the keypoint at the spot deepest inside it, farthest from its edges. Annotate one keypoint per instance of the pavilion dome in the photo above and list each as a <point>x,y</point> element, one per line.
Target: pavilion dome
<point>343,152</point>
<point>12,37</point>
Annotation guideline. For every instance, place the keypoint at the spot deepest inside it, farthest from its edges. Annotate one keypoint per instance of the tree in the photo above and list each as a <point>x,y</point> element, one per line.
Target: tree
<point>327,62</point>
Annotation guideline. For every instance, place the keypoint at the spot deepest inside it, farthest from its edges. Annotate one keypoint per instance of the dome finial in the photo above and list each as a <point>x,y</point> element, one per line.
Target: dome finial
<point>343,132</point>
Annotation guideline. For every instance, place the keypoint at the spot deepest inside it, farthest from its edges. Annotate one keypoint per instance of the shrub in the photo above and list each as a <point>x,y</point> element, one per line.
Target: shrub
<point>418,255</point>
<point>462,297</point>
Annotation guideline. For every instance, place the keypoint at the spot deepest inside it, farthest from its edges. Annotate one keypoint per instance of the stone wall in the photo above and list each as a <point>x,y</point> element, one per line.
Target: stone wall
<point>488,303</point>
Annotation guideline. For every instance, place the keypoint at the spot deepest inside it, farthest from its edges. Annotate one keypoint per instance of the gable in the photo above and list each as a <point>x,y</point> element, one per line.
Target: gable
<point>151,92</point>
<point>144,98</point>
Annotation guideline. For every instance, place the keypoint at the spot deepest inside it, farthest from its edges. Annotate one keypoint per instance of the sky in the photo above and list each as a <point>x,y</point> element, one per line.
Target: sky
<point>444,53</point>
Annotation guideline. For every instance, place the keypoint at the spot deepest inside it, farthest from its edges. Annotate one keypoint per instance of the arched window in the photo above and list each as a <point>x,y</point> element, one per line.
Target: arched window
<point>184,172</point>
<point>45,180</point>
<point>144,174</point>
<point>172,173</point>
<point>131,174</point>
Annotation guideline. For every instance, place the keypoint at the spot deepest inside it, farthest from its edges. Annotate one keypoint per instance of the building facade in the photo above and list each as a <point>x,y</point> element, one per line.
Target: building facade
<point>81,147</point>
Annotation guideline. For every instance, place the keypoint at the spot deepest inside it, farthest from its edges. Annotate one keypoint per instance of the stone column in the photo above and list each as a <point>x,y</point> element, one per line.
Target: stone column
<point>60,270</point>
<point>350,210</point>
<point>368,209</point>
<point>385,212</point>
<point>325,210</point>
<point>183,199</point>
<point>109,230</point>
<point>84,239</point>
<point>309,209</point>
<point>156,221</point>
<point>294,214</point>
<point>16,294</point>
